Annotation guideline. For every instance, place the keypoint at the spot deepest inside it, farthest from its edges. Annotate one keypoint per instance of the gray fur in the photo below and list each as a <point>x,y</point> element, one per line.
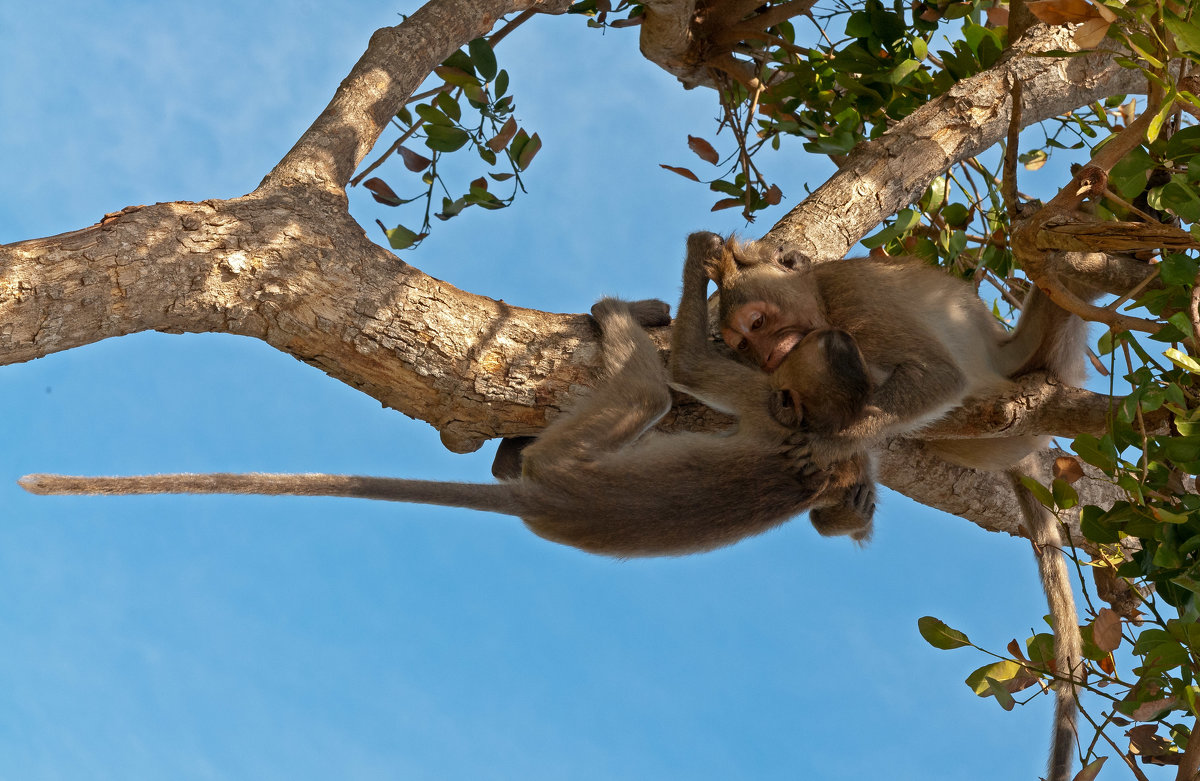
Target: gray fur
<point>599,478</point>
<point>934,344</point>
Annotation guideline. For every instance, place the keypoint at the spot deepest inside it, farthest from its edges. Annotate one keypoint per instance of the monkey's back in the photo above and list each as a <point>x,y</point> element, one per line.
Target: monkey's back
<point>895,307</point>
<point>667,495</point>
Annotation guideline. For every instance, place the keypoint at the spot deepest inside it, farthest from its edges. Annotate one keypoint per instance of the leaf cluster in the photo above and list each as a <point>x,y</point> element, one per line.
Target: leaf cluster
<point>468,109</point>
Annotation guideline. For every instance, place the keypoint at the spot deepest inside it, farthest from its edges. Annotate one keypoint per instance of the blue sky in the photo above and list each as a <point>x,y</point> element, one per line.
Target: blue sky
<point>217,638</point>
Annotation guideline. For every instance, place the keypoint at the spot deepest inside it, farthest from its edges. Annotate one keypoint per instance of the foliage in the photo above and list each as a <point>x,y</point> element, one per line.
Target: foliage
<point>486,126</point>
<point>1141,667</point>
<point>847,73</point>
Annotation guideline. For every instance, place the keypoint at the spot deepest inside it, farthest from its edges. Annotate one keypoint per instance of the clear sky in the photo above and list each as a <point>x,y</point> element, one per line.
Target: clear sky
<point>230,638</point>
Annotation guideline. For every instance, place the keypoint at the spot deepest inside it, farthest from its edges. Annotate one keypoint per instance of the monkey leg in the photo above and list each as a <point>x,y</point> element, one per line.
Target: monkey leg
<point>622,407</point>
<point>506,465</point>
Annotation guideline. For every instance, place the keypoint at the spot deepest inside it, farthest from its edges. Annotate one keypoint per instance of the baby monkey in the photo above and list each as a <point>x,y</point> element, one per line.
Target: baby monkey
<point>599,479</point>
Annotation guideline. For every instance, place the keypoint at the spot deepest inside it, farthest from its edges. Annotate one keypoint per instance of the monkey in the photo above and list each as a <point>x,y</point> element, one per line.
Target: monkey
<point>929,343</point>
<point>599,479</point>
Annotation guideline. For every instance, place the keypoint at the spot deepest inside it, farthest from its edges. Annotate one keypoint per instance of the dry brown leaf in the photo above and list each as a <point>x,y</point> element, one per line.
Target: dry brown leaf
<point>1089,34</point>
<point>1153,748</point>
<point>1106,629</point>
<point>703,150</point>
<point>1067,468</point>
<point>1062,11</point>
<point>997,17</point>
<point>685,173</point>
<point>1149,711</point>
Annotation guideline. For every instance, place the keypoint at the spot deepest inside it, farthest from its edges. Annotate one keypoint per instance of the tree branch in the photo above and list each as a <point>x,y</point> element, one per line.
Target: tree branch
<point>881,176</point>
<point>395,63</point>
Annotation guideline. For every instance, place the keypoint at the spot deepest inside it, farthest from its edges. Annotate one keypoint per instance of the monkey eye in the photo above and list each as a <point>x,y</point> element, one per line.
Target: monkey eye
<point>743,345</point>
<point>757,322</point>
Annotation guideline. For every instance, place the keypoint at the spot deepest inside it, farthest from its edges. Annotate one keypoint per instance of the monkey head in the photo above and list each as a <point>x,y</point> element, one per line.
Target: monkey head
<point>822,384</point>
<point>769,300</point>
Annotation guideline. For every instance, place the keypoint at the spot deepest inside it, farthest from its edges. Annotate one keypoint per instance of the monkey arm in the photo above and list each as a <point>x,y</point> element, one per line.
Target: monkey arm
<point>916,393</point>
<point>695,365</point>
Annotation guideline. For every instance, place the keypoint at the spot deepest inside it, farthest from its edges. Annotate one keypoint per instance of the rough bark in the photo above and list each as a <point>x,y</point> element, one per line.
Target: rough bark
<point>881,177</point>
<point>287,264</point>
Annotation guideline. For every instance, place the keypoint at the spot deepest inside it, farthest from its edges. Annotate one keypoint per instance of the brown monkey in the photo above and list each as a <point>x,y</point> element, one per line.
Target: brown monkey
<point>599,479</point>
<point>929,343</point>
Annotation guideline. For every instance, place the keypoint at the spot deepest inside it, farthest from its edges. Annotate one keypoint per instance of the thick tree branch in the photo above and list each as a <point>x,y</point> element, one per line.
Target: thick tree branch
<point>908,467</point>
<point>882,176</point>
<point>288,265</point>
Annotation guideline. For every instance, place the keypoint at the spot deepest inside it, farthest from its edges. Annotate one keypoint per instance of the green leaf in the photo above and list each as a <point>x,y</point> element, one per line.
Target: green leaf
<point>1039,491</point>
<point>1164,111</point>
<point>1182,360</point>
<point>1187,34</point>
<point>483,58</point>
<point>444,138</point>
<point>859,25</point>
<point>501,85</point>
<point>904,70</point>
<point>939,635</point>
<point>431,115</point>
<point>1178,269</point>
<point>1094,528</point>
<point>401,237</point>
<point>455,76</point>
<point>459,60</point>
<point>449,106</point>
<point>996,672</point>
<point>1064,494</point>
<point>956,215</point>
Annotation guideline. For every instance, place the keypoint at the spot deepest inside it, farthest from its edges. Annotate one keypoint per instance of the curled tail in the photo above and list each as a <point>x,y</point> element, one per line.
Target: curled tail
<point>1042,527</point>
<point>491,497</point>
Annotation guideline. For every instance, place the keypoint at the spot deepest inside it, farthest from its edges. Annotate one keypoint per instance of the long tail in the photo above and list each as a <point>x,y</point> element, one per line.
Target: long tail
<point>492,497</point>
<point>1068,645</point>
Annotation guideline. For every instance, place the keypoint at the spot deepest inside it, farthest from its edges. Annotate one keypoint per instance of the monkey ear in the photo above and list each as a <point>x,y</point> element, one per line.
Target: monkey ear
<point>791,259</point>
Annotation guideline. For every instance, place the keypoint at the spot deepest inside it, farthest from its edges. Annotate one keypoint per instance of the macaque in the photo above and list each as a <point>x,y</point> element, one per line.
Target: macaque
<point>929,343</point>
<point>600,479</point>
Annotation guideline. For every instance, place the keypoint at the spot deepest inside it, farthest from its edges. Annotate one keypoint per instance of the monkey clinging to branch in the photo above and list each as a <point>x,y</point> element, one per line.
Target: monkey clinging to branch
<point>598,479</point>
<point>929,343</point>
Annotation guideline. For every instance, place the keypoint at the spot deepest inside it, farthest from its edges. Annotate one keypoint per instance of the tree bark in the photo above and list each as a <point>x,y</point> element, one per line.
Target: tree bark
<point>288,265</point>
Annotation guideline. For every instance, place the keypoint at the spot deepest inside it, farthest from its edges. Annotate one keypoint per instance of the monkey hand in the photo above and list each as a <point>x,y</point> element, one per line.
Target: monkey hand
<point>650,312</point>
<point>798,450</point>
<point>705,248</point>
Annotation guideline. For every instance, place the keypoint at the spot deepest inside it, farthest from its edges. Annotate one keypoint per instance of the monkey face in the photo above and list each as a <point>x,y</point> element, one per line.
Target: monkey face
<point>766,331</point>
<point>822,384</point>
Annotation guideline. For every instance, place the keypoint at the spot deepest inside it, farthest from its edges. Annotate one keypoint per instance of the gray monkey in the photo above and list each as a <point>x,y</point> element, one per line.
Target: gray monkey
<point>600,479</point>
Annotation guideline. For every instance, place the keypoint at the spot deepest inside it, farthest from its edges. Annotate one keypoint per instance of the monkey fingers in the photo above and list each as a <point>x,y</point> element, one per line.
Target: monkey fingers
<point>650,312</point>
<point>798,451</point>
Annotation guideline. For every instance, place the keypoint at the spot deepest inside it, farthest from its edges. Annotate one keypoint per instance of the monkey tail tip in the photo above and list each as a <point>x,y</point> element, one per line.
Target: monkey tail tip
<point>49,485</point>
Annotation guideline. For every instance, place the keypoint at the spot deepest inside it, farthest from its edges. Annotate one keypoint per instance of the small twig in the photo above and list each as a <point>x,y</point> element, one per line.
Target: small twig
<point>1110,195</point>
<point>1138,288</point>
<point>1007,294</point>
<point>390,150</point>
<point>1008,185</point>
